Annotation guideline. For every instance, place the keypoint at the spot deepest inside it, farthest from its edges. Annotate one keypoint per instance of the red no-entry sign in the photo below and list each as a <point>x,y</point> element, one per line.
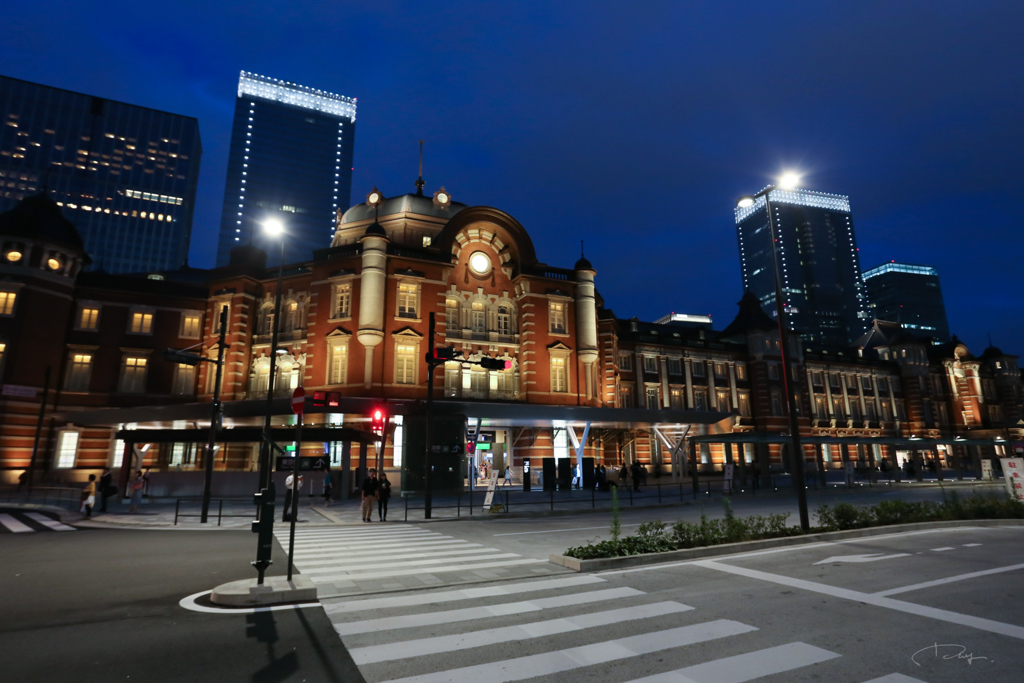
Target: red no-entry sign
<point>298,400</point>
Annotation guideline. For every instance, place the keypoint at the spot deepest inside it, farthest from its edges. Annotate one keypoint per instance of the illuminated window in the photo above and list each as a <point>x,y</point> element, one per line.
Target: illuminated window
<point>142,323</point>
<point>504,320</point>
<point>67,448</point>
<point>79,372</point>
<point>408,293</point>
<point>652,398</point>
<point>133,375</point>
<point>405,363</point>
<point>184,380</point>
<point>7,302</point>
<point>339,364</point>
<point>88,317</point>
<point>190,325</point>
<point>676,399</point>
<point>741,371</point>
<point>559,379</point>
<point>744,399</point>
<point>700,400</point>
<point>722,400</point>
<point>479,317</point>
<point>451,315</point>
<point>343,301</point>
<point>556,317</point>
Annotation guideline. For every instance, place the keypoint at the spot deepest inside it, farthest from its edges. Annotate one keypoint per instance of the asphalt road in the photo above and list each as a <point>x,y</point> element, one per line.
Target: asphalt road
<point>103,605</point>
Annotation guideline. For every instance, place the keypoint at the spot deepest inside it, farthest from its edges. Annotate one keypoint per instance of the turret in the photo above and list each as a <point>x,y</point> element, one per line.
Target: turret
<point>586,320</point>
<point>372,284</point>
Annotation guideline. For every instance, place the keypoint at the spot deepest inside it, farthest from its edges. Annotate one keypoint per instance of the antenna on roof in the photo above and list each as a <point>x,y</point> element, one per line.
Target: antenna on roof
<point>581,249</point>
<point>419,181</point>
<point>989,338</point>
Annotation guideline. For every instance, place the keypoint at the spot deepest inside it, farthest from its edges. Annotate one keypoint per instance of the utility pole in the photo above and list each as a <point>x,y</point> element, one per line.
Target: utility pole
<point>216,418</point>
<point>429,431</point>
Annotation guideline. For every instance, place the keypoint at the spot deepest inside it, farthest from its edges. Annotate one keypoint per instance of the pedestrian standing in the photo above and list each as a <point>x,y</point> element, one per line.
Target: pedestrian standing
<point>327,488</point>
<point>89,496</point>
<point>288,493</point>
<point>106,488</point>
<point>135,488</point>
<point>369,494</point>
<point>634,472</point>
<point>383,496</point>
<point>623,475</point>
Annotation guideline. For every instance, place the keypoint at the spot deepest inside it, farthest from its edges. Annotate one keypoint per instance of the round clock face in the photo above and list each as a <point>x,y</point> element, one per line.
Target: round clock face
<point>374,198</point>
<point>442,197</point>
<point>479,263</point>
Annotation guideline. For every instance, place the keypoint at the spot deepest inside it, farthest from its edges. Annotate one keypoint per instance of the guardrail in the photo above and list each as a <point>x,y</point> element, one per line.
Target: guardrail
<point>43,495</point>
<point>220,508</point>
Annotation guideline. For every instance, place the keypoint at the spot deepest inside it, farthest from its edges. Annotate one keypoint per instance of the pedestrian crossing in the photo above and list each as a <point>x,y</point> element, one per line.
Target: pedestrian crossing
<point>573,627</point>
<point>22,522</point>
<point>398,557</point>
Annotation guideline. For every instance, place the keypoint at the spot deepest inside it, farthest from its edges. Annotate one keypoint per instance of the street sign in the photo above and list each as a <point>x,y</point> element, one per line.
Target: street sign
<point>285,464</point>
<point>307,464</point>
<point>298,400</point>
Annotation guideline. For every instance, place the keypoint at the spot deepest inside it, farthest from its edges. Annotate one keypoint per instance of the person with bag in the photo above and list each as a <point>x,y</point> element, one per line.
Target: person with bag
<point>106,488</point>
<point>135,489</point>
<point>383,496</point>
<point>89,496</point>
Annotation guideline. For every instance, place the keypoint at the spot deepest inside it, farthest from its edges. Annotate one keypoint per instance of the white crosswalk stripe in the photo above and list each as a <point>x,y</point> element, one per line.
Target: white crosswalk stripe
<point>405,638</point>
<point>329,556</point>
<point>20,522</point>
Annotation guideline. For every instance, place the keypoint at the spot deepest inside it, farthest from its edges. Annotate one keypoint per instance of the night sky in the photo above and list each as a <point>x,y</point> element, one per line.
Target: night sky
<point>631,125</point>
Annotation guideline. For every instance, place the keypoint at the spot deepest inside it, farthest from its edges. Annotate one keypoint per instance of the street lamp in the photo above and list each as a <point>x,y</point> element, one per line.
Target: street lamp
<point>787,182</point>
<point>273,227</point>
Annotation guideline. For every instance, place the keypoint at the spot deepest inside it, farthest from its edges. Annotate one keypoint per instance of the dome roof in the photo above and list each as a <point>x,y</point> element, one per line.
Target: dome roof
<point>39,218</point>
<point>583,264</point>
<point>406,203</point>
<point>375,229</point>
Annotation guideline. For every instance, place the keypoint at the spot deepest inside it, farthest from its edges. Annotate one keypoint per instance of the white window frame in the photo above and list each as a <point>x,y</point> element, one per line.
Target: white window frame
<point>407,350</point>
<point>504,320</point>
<point>407,301</point>
<point>337,361</point>
<point>451,314</point>
<point>65,459</point>
<point>651,365</point>
<point>342,308</point>
<point>185,332</point>
<point>559,374</point>
<point>556,317</point>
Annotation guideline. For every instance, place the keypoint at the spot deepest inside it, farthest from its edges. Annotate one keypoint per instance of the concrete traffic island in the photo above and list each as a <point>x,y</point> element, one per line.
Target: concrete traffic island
<point>275,590</point>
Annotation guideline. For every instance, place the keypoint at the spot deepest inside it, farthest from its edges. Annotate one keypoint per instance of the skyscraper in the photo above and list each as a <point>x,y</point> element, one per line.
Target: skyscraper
<point>909,295</point>
<point>291,158</point>
<point>819,266</point>
<point>125,175</point>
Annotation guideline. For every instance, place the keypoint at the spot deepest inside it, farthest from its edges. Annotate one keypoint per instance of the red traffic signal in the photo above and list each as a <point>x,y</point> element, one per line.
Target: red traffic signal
<point>443,353</point>
<point>377,419</point>
<point>495,363</point>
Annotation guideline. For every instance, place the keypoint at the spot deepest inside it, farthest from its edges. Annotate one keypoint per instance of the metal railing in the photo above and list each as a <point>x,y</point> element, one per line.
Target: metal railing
<point>43,495</point>
<point>220,508</point>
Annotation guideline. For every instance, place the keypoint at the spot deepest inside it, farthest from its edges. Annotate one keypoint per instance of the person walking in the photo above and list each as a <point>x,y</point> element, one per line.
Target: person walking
<point>369,495</point>
<point>106,488</point>
<point>89,496</point>
<point>327,488</point>
<point>135,488</point>
<point>383,496</point>
<point>288,483</point>
<point>634,472</point>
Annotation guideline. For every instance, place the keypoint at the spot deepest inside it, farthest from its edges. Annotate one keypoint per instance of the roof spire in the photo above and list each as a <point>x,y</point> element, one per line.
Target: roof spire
<point>419,181</point>
<point>582,255</point>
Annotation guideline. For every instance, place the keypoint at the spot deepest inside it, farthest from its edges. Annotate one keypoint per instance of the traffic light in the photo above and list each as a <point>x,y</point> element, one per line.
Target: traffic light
<point>377,419</point>
<point>443,354</point>
<point>495,363</point>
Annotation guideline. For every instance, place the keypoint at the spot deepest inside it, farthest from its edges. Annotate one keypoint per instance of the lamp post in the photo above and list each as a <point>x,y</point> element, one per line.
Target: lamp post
<point>787,182</point>
<point>273,227</point>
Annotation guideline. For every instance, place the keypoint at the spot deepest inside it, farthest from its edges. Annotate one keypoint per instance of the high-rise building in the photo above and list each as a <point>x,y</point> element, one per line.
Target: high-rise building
<point>909,295</point>
<point>291,159</point>
<point>125,175</point>
<point>819,265</point>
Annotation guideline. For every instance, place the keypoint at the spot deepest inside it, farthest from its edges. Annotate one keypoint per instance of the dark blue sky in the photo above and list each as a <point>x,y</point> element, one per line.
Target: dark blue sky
<point>631,125</point>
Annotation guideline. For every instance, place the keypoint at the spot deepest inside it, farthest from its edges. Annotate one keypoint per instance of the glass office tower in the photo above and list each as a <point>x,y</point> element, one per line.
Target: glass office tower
<point>125,175</point>
<point>821,281</point>
<point>291,159</point>
<point>909,295</point>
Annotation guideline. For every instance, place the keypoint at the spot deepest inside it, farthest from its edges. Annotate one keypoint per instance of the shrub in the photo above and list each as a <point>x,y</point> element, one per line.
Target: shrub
<point>844,516</point>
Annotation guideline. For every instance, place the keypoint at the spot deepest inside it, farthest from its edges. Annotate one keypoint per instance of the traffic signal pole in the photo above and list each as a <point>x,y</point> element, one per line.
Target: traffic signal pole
<point>215,418</point>
<point>428,432</point>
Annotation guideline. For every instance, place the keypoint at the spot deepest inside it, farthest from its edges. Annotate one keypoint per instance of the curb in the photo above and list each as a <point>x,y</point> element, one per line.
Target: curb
<point>606,563</point>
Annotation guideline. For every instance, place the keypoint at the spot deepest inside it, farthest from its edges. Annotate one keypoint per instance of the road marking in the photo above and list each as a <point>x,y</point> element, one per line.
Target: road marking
<point>497,590</point>
<point>14,525</point>
<point>507,634</point>
<point>989,625</point>
<point>378,546</point>
<point>371,573</point>
<point>489,554</point>
<point>746,667</point>
<point>189,603</point>
<point>481,612</point>
<point>332,537</point>
<point>941,550</point>
<point>49,521</point>
<point>951,579</point>
<point>548,663</point>
<point>895,678</point>
<point>558,531</point>
<point>971,545</point>
<point>332,558</point>
<point>870,557</point>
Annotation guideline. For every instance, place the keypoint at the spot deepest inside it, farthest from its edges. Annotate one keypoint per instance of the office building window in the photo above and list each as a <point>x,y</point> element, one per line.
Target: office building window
<point>405,363</point>
<point>559,379</point>
<point>408,295</point>
<point>651,364</point>
<point>88,317</point>
<point>79,372</point>
<point>133,375</point>
<point>698,368</point>
<point>7,302</point>
<point>67,448</point>
<point>141,323</point>
<point>190,325</point>
<point>339,364</point>
<point>343,301</point>
<point>556,317</point>
<point>184,380</point>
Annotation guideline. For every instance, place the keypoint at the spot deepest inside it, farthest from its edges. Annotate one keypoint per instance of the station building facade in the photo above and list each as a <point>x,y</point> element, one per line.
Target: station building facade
<point>85,384</point>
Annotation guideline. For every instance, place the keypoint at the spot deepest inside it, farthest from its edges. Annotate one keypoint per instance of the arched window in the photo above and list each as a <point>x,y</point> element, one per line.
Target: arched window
<point>479,317</point>
<point>504,320</point>
<point>266,325</point>
<point>292,316</point>
<point>259,377</point>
